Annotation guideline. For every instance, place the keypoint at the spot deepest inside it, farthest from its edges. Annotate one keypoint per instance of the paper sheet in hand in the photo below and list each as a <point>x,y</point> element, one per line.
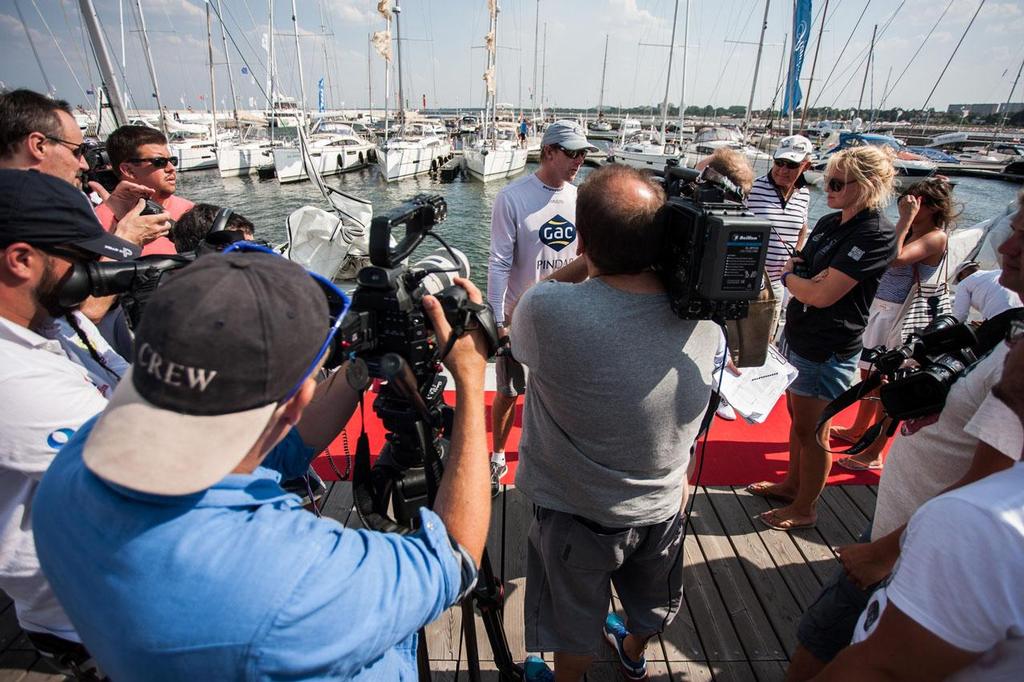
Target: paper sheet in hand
<point>754,393</point>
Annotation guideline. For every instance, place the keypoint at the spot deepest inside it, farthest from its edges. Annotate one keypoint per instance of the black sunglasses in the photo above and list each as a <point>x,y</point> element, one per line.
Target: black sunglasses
<point>787,163</point>
<point>837,185</point>
<point>572,153</point>
<point>77,149</point>
<point>157,161</point>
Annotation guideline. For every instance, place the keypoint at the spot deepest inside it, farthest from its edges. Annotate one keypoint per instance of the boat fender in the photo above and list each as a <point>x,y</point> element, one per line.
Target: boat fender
<point>372,155</point>
<point>433,165</point>
<point>361,161</point>
<point>341,160</point>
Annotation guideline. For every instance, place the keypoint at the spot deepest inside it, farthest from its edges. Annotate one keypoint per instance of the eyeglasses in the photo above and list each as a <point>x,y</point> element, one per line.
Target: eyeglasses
<point>786,163</point>
<point>337,304</point>
<point>157,161</point>
<point>572,153</point>
<point>836,185</point>
<point>77,148</point>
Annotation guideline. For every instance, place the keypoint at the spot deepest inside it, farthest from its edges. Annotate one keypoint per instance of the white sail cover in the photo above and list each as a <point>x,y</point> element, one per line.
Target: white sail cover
<point>381,41</point>
<point>327,244</point>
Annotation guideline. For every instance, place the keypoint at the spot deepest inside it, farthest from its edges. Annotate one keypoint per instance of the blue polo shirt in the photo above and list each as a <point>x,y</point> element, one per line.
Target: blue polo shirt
<point>236,582</point>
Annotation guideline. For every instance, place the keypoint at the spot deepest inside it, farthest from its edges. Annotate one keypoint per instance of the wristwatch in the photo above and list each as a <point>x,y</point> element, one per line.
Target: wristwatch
<point>782,279</point>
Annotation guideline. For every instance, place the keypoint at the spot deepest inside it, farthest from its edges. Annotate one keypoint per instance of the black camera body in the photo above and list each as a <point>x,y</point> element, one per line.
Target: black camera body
<point>714,249</point>
<point>941,354</point>
<point>99,170</point>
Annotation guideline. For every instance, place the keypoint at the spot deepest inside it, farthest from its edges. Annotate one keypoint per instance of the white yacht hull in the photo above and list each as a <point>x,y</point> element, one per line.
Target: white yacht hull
<point>495,164</point>
<point>244,160</point>
<point>407,160</point>
<point>329,160</point>
<point>194,158</point>
<point>640,160</point>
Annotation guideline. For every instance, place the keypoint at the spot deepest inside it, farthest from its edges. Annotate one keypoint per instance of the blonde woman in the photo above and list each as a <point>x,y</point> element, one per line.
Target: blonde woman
<point>926,210</point>
<point>834,282</point>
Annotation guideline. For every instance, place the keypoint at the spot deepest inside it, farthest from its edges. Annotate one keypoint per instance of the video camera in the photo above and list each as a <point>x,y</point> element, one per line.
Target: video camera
<point>99,170</point>
<point>715,249</point>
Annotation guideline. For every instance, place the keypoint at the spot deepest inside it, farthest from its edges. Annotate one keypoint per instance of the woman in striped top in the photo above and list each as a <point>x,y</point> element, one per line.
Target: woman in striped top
<point>926,211</point>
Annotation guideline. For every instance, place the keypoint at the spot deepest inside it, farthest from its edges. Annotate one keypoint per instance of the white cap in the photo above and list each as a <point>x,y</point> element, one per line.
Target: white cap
<point>794,148</point>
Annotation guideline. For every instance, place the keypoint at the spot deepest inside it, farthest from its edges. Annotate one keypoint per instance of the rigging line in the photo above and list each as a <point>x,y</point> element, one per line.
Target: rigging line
<point>838,59</point>
<point>735,45</point>
<point>31,43</point>
<point>124,79</point>
<point>955,49</point>
<point>80,56</point>
<point>241,56</point>
<point>257,53</point>
<point>865,54</point>
<point>433,59</point>
<point>886,93</point>
<point>57,43</point>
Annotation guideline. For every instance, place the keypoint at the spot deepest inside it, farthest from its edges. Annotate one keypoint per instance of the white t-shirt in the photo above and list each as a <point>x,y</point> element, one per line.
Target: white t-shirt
<point>922,465</point>
<point>983,292</point>
<point>961,575</point>
<point>49,386</point>
<point>533,233</point>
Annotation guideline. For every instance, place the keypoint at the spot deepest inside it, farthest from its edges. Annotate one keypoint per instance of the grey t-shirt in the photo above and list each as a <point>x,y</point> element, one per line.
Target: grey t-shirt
<point>617,388</point>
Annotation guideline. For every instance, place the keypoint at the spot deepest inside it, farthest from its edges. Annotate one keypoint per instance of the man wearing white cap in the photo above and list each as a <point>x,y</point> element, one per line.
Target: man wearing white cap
<point>781,197</point>
<point>533,234</point>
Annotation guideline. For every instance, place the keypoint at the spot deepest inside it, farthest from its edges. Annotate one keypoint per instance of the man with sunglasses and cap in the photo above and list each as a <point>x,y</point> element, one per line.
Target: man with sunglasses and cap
<point>533,234</point>
<point>140,155</point>
<point>782,198</point>
<point>163,528</point>
<point>56,372</point>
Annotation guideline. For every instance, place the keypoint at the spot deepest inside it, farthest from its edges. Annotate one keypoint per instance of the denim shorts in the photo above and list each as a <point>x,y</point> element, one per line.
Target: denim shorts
<point>823,380</point>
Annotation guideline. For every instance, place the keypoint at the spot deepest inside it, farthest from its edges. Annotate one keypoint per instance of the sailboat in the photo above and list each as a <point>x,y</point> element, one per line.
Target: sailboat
<point>416,148</point>
<point>494,156</point>
<point>650,150</point>
<point>601,124</point>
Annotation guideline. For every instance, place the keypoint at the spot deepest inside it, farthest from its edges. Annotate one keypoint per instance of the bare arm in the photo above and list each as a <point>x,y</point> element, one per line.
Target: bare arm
<point>326,415</point>
<point>925,248</point>
<point>464,498</point>
<point>802,237</point>
<point>823,290</point>
<point>899,649</point>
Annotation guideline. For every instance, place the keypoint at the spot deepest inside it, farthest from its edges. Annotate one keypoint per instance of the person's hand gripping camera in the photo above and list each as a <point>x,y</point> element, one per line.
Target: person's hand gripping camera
<point>468,356</point>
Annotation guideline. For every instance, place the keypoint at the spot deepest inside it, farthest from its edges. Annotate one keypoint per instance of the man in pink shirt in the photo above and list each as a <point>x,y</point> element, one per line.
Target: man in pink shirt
<point>139,155</point>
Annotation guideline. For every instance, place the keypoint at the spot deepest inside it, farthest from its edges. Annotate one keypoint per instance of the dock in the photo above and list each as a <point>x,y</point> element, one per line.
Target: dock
<point>746,587</point>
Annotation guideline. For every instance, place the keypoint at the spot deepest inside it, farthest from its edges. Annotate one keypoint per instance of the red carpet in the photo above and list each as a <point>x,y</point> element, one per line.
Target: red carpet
<point>737,453</point>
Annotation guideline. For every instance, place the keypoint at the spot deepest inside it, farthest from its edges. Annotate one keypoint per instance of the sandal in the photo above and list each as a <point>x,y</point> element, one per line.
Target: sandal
<point>769,519</point>
<point>761,489</point>
<point>852,464</point>
<point>843,438</point>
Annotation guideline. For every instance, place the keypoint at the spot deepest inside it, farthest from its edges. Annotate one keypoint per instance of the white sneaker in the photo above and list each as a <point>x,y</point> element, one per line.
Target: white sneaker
<point>497,471</point>
<point>725,411</point>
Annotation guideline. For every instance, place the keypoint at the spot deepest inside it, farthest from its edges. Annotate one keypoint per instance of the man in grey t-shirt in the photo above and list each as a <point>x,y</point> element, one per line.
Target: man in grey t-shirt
<point>617,388</point>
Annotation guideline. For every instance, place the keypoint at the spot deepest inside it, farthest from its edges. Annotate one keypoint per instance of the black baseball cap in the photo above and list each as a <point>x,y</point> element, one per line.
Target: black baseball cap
<point>222,342</point>
<point>44,210</point>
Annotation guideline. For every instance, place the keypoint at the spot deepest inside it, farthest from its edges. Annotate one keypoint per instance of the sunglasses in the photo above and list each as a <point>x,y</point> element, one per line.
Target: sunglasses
<point>157,161</point>
<point>337,304</point>
<point>786,163</point>
<point>836,185</point>
<point>77,149</point>
<point>572,153</point>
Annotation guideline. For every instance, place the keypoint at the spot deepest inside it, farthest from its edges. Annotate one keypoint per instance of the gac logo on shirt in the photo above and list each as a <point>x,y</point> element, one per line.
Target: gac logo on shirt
<point>557,233</point>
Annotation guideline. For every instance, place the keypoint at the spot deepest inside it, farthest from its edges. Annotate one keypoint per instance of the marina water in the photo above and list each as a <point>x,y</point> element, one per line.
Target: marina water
<point>268,204</point>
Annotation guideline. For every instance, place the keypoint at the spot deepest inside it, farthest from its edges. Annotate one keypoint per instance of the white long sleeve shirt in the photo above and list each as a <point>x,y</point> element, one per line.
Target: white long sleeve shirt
<point>983,292</point>
<point>533,233</point>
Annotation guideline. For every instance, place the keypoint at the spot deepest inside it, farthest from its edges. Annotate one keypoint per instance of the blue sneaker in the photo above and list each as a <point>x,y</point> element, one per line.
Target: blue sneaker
<point>536,670</point>
<point>615,632</point>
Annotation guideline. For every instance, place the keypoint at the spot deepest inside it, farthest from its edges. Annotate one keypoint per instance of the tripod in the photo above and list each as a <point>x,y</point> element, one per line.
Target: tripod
<point>406,478</point>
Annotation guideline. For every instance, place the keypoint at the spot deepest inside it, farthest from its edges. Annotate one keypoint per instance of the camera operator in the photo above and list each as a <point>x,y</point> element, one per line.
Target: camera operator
<point>140,157</point>
<point>953,607</point>
<point>640,380</point>
<point>56,372</point>
<point>781,197</point>
<point>974,435</point>
<point>532,234</point>
<point>181,472</point>
<point>842,262</point>
<point>195,224</point>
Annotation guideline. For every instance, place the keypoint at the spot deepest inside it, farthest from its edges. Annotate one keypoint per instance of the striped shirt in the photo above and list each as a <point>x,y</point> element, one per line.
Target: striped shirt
<point>787,219</point>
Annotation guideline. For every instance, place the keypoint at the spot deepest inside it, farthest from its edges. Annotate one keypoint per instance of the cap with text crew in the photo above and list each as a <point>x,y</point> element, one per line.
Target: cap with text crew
<point>221,344</point>
<point>568,135</point>
<point>43,210</point>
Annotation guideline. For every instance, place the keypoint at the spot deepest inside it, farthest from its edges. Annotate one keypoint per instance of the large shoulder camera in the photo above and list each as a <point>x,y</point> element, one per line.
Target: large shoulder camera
<point>715,248</point>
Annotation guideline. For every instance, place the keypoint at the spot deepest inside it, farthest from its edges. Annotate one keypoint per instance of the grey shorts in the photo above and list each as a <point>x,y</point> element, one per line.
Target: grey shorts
<point>571,565</point>
<point>509,376</point>
<point>827,625</point>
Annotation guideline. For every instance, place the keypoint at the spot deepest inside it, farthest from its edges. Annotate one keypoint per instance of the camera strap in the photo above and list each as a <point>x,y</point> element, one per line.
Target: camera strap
<point>850,397</point>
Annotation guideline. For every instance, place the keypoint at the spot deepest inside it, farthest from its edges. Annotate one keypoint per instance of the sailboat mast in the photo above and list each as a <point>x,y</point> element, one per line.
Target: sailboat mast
<point>398,38</point>
<point>1006,107</point>
<point>271,97</point>
<point>213,85</point>
<point>149,65</point>
<point>99,47</point>
<point>298,61</point>
<point>682,90</point>
<point>668,74</point>
<point>543,70</point>
<point>492,69</point>
<point>867,69</point>
<point>536,35</point>
<point>757,66</point>
<point>369,74</point>
<point>227,61</point>
<point>604,69</point>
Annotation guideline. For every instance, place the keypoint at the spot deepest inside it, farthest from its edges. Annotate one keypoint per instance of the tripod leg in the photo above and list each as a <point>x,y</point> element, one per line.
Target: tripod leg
<point>422,657</point>
<point>469,632</point>
<point>489,598</point>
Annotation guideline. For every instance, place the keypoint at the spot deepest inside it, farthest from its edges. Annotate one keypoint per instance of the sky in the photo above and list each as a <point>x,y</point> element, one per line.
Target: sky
<point>443,58</point>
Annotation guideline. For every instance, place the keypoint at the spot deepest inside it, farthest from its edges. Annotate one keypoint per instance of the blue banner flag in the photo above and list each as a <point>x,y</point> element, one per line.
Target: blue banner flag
<point>321,103</point>
<point>801,36</point>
